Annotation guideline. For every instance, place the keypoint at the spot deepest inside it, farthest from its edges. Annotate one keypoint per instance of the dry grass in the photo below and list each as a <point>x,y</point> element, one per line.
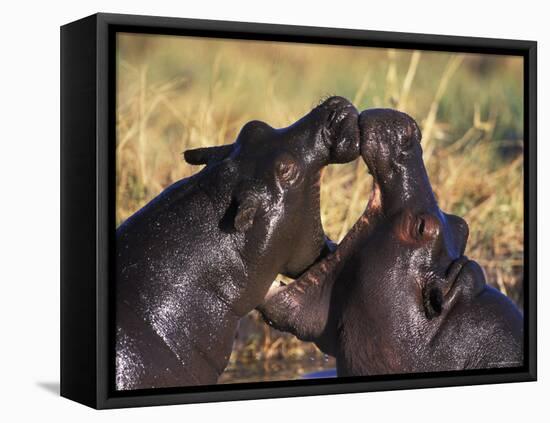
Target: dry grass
<point>176,93</point>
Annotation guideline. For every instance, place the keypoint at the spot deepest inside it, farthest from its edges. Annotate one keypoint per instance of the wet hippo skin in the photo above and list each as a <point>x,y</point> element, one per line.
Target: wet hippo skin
<point>204,252</point>
<point>398,295</point>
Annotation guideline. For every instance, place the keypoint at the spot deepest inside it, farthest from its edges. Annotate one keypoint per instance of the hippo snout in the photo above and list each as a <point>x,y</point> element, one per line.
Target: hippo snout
<point>462,274</point>
<point>376,146</point>
<point>336,102</point>
<point>341,129</point>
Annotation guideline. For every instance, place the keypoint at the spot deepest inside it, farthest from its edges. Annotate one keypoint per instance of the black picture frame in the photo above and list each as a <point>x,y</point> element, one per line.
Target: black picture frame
<point>87,208</point>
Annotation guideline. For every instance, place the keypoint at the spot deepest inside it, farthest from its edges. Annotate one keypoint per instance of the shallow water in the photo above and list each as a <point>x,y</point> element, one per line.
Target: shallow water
<point>283,369</point>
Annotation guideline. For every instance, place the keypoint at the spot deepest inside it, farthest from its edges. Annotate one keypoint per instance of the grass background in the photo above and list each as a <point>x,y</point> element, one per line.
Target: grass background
<point>175,93</point>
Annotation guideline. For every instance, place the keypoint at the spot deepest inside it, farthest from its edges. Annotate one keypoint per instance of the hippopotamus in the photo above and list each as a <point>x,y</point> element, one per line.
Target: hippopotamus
<point>204,252</point>
<point>398,295</point>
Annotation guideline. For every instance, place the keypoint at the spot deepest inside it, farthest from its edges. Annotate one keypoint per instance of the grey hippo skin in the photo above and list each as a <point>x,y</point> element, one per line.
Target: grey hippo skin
<point>204,253</point>
<point>398,295</point>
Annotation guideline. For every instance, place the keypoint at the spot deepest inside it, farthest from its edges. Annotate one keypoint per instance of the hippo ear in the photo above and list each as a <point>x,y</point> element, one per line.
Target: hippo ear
<point>246,211</point>
<point>207,155</point>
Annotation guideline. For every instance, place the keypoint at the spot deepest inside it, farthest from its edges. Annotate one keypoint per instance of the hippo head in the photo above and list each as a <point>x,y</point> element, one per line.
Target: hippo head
<point>276,197</point>
<point>415,251</point>
<point>426,306</point>
<point>398,295</point>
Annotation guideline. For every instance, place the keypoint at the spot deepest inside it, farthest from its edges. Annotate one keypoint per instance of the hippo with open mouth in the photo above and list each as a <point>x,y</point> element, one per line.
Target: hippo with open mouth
<point>204,253</point>
<point>398,295</point>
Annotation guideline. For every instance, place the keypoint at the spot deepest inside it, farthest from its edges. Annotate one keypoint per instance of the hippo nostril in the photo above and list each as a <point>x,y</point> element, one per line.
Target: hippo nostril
<point>332,117</point>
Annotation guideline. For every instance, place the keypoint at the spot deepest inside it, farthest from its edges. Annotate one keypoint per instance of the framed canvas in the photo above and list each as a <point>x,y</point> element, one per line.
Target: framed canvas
<point>354,211</point>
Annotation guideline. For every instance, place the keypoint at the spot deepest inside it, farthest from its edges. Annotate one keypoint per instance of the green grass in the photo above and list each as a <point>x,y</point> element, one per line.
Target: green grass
<point>177,93</point>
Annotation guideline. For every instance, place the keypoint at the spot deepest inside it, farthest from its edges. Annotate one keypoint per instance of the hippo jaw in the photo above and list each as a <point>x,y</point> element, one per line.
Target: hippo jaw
<point>341,130</point>
<point>336,141</point>
<point>390,147</point>
<point>402,198</point>
<point>277,188</point>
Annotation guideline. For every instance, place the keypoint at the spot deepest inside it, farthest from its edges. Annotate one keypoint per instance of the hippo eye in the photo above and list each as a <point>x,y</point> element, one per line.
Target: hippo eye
<point>424,227</point>
<point>420,226</point>
<point>286,170</point>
